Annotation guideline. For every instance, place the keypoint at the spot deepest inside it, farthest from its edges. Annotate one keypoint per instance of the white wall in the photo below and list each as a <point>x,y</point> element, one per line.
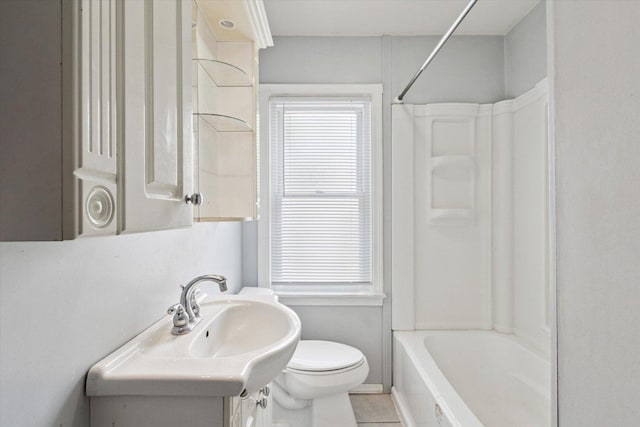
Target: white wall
<point>471,68</point>
<point>65,305</point>
<point>594,69</point>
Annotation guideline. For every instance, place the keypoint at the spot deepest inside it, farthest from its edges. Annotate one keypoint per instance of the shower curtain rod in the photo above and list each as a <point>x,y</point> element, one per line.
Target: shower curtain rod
<point>441,43</point>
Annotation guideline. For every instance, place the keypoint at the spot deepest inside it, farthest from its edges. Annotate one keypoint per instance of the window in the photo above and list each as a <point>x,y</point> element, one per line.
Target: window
<point>322,200</point>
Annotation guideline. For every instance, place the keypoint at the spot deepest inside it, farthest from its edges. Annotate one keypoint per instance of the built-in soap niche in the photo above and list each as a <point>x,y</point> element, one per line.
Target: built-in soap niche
<point>451,186</point>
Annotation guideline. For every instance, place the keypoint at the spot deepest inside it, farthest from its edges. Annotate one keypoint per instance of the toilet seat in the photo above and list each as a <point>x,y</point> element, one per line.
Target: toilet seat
<point>313,356</point>
<point>327,373</point>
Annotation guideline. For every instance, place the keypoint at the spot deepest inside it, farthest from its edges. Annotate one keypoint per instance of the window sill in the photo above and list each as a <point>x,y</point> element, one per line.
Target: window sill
<point>353,300</point>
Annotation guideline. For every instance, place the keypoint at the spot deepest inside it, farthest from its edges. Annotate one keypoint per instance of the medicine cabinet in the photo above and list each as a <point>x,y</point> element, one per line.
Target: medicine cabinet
<point>129,113</point>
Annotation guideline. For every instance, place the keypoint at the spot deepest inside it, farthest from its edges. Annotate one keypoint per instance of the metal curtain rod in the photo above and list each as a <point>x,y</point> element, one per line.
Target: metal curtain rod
<point>441,43</point>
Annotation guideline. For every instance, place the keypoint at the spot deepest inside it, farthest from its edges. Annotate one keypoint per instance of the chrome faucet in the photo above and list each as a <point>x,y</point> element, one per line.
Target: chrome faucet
<point>186,314</point>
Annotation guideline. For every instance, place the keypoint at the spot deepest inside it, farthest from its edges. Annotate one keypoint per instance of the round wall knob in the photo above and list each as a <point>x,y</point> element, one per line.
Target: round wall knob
<point>195,199</point>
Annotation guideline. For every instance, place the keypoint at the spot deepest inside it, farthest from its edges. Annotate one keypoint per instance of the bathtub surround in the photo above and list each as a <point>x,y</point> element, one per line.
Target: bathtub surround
<point>65,305</point>
<point>531,217</point>
<point>595,113</point>
<point>470,252</point>
<point>470,217</point>
<point>442,216</point>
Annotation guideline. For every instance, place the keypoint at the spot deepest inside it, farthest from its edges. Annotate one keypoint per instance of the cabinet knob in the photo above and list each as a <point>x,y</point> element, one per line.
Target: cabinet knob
<point>266,391</point>
<point>262,402</point>
<point>195,199</point>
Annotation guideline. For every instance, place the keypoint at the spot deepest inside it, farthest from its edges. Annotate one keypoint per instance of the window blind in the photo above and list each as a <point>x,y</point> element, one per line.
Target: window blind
<point>321,200</point>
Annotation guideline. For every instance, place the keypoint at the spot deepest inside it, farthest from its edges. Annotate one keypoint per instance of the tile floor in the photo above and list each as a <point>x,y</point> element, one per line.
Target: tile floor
<point>375,410</point>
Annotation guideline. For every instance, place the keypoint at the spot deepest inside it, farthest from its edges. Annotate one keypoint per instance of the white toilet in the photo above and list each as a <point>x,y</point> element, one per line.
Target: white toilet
<point>313,389</point>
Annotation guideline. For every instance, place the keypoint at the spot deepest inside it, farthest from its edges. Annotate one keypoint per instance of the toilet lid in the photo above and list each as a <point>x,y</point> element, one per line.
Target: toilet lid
<point>324,356</point>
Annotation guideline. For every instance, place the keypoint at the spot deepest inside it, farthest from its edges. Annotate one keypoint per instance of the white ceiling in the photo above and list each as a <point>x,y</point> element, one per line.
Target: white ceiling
<point>392,17</point>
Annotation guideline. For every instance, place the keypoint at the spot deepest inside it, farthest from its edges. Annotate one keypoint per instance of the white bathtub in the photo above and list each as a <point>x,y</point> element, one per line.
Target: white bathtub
<point>469,379</point>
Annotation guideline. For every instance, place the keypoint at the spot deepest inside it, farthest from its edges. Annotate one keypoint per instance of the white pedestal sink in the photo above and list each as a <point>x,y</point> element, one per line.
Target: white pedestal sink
<point>241,344</point>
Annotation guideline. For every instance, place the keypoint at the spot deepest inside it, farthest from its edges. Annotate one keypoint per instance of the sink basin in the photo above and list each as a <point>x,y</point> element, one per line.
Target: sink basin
<point>241,343</point>
<point>241,328</point>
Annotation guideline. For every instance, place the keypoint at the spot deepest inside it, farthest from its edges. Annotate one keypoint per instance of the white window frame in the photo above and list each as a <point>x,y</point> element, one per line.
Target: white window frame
<point>344,295</point>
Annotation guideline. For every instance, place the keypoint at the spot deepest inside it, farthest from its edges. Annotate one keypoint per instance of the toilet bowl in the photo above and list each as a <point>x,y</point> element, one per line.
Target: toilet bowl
<point>312,391</point>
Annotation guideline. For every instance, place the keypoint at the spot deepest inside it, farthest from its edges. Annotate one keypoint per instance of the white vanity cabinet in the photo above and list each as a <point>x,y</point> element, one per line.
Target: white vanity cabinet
<point>164,411</point>
<point>255,410</point>
<point>216,375</point>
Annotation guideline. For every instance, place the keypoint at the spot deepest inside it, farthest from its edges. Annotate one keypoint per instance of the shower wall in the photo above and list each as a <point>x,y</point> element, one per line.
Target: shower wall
<point>441,216</point>
<point>521,225</point>
<point>469,233</point>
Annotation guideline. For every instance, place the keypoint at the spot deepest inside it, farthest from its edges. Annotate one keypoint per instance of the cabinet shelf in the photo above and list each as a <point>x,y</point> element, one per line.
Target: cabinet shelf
<point>225,74</point>
<point>223,123</point>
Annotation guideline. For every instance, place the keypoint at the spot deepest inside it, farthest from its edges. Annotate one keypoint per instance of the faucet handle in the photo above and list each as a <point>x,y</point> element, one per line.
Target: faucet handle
<point>174,308</point>
<point>180,318</point>
<point>196,294</point>
<point>195,306</point>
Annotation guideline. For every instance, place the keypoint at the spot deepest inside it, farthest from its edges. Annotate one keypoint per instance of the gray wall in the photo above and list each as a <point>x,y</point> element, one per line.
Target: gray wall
<point>596,111</point>
<point>30,74</point>
<point>526,52</point>
<point>470,69</point>
<point>66,305</point>
<point>322,60</point>
<point>361,327</point>
<point>467,69</point>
